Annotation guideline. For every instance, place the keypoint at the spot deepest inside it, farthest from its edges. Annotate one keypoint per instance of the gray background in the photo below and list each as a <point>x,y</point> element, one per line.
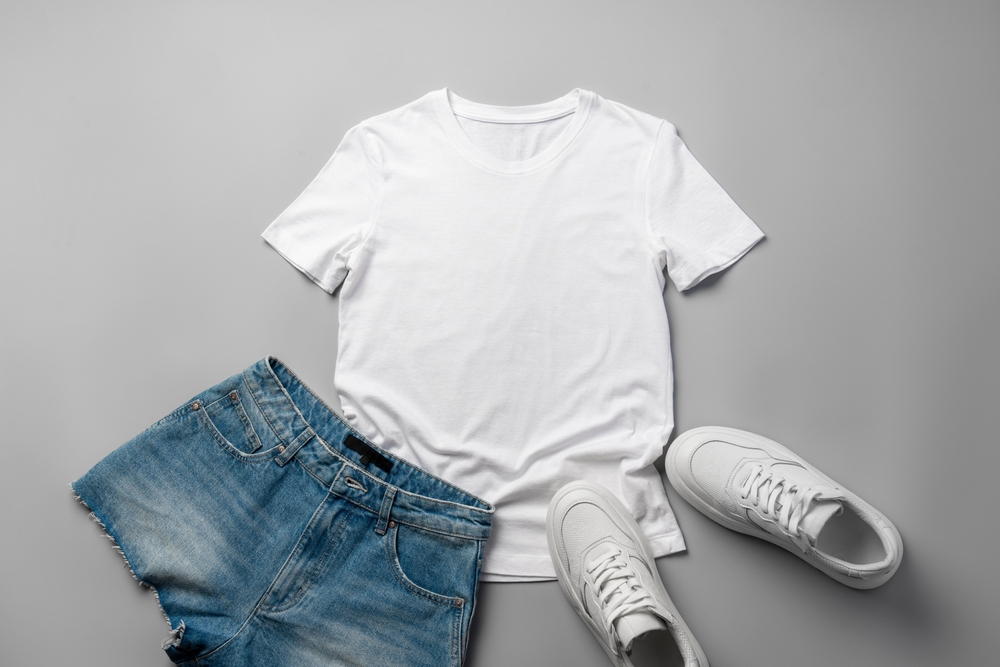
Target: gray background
<point>145,146</point>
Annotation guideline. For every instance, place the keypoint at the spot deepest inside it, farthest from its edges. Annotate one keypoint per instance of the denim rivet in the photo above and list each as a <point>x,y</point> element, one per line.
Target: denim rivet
<point>195,406</point>
<point>232,395</point>
<point>459,603</point>
<point>392,524</point>
<point>281,448</point>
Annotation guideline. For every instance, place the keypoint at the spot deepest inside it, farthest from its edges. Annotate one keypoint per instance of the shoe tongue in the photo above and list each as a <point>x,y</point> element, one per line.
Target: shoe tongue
<point>821,512</point>
<point>636,624</point>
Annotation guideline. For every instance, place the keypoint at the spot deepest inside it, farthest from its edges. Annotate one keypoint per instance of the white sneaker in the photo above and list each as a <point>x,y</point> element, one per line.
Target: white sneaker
<point>755,486</point>
<point>606,568</point>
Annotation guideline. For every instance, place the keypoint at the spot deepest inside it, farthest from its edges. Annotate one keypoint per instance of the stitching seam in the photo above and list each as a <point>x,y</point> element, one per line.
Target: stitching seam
<point>397,572</point>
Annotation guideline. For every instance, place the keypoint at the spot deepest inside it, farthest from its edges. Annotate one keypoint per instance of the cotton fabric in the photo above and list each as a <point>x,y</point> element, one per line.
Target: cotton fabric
<point>501,272</point>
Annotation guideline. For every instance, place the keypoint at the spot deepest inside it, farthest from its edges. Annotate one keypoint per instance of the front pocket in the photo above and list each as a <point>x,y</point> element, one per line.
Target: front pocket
<point>238,453</point>
<point>231,421</point>
<point>432,565</point>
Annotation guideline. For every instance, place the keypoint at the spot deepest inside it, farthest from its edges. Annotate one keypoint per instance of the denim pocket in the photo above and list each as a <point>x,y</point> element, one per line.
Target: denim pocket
<point>230,425</point>
<point>431,564</point>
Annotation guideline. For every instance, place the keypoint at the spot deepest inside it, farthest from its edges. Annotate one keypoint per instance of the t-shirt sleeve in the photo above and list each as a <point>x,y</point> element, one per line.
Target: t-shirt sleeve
<point>697,229</point>
<point>326,224</point>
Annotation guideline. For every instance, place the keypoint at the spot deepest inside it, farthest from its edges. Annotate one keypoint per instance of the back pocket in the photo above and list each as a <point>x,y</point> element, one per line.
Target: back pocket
<point>231,421</point>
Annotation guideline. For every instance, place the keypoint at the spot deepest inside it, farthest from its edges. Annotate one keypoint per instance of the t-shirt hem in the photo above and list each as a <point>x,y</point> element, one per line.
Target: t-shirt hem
<point>539,568</point>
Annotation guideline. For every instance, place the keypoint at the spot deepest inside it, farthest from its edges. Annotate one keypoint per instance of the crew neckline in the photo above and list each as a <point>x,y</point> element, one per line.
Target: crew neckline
<point>577,102</point>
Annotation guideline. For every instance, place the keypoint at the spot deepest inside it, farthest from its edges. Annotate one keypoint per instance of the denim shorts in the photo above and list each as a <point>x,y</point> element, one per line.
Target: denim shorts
<point>274,534</point>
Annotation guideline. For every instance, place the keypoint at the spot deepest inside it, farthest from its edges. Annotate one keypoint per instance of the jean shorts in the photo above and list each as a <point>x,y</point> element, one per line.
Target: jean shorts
<point>274,534</point>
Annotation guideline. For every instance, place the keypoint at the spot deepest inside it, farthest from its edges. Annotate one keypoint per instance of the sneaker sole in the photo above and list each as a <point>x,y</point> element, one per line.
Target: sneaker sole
<point>768,445</point>
<point>614,505</point>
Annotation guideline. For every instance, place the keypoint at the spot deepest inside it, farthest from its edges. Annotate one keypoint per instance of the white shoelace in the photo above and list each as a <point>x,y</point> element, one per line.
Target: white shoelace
<point>785,503</point>
<point>619,589</point>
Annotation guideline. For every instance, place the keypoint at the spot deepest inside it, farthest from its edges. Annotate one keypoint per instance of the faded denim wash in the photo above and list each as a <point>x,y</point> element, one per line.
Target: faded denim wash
<point>276,535</point>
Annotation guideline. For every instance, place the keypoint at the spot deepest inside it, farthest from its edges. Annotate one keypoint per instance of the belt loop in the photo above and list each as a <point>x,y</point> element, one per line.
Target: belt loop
<point>383,515</point>
<point>292,448</point>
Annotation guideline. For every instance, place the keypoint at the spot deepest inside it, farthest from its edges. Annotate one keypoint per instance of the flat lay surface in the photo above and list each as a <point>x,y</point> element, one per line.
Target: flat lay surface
<point>146,147</point>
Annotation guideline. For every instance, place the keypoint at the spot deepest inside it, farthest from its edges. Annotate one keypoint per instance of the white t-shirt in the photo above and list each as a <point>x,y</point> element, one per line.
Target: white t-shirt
<point>501,316</point>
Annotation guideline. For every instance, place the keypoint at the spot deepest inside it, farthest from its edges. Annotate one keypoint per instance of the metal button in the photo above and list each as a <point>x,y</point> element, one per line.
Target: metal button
<point>392,524</point>
<point>195,406</point>
<point>232,395</point>
<point>281,448</point>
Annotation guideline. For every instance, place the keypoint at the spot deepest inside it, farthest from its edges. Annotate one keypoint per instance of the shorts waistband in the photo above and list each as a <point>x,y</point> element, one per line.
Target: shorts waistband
<point>353,467</point>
